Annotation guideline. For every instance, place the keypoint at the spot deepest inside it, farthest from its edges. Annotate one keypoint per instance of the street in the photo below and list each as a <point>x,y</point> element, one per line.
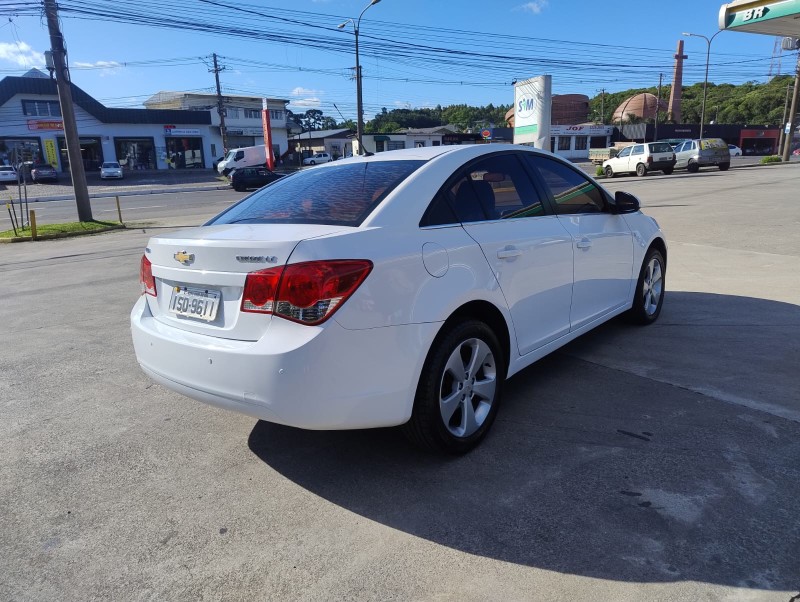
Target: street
<point>656,463</point>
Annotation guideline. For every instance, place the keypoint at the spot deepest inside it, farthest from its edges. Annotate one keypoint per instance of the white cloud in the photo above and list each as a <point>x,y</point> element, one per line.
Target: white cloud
<point>307,103</point>
<point>299,91</point>
<point>105,67</point>
<point>535,7</point>
<point>20,54</point>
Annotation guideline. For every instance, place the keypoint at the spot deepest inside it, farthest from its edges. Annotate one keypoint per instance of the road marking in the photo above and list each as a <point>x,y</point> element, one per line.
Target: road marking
<point>129,208</point>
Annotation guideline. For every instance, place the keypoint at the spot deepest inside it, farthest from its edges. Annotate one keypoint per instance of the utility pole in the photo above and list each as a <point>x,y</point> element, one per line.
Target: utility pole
<point>787,143</point>
<point>220,106</point>
<point>603,106</point>
<point>658,104</point>
<point>783,123</point>
<point>64,84</point>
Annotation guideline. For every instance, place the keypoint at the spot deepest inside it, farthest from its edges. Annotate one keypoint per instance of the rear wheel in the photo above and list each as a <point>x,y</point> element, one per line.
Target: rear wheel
<point>693,167</point>
<point>641,170</point>
<point>724,166</point>
<point>649,295</point>
<point>459,390</point>
<point>609,172</point>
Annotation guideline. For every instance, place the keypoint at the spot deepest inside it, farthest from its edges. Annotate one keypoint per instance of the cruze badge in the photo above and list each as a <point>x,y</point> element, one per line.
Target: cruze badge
<point>184,257</point>
<point>256,259</point>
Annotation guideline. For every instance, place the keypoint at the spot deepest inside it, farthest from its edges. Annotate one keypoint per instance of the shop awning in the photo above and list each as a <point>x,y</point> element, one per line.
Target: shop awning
<point>769,17</point>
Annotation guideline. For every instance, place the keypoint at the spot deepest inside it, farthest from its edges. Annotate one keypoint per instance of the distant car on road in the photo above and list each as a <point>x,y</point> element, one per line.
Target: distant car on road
<point>8,173</point>
<point>734,150</point>
<point>245,178</point>
<point>641,158</point>
<point>110,169</point>
<point>705,152</point>
<point>43,172</point>
<point>318,158</point>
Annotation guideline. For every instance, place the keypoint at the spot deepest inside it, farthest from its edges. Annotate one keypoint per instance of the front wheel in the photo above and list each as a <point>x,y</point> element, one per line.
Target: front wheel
<point>312,162</point>
<point>459,390</point>
<point>609,172</point>
<point>693,168</point>
<point>649,295</point>
<point>724,166</point>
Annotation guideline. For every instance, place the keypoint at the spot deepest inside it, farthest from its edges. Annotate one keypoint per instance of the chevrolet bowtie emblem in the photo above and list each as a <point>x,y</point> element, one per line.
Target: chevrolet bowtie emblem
<point>184,257</point>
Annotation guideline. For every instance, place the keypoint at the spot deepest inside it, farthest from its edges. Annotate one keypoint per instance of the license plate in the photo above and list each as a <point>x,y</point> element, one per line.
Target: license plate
<point>194,302</point>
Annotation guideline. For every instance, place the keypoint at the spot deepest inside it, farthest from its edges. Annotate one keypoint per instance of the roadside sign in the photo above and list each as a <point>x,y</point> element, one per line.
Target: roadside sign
<point>788,128</point>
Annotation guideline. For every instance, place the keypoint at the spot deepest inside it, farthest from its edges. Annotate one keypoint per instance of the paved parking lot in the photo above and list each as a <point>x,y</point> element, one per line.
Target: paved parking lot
<point>634,464</point>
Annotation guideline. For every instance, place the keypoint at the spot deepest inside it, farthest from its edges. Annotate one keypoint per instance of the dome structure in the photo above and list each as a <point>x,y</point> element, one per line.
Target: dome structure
<point>640,107</point>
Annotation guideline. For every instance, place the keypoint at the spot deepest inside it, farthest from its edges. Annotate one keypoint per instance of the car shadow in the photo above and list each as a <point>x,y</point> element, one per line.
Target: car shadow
<point>609,470</point>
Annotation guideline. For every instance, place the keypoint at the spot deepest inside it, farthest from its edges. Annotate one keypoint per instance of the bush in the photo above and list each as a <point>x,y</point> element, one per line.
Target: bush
<point>771,159</point>
<point>599,171</point>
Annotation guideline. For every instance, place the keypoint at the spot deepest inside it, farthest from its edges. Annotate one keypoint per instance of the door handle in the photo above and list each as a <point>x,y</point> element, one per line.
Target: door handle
<point>508,253</point>
<point>583,243</point>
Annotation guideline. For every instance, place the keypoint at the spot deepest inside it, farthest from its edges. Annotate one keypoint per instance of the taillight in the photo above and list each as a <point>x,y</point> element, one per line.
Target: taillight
<point>650,159</point>
<point>308,293</point>
<point>146,277</point>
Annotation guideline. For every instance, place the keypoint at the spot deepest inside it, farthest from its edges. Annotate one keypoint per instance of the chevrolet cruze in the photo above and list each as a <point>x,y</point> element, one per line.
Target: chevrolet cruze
<point>401,288</point>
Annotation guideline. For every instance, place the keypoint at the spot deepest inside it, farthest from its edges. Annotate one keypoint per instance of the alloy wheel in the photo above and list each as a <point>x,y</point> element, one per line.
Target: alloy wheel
<point>653,286</point>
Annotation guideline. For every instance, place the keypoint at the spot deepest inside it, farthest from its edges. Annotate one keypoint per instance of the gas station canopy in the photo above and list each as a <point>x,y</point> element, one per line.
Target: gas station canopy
<point>774,18</point>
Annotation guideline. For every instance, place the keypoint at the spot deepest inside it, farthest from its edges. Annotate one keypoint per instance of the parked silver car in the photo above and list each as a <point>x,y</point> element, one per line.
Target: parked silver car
<point>694,154</point>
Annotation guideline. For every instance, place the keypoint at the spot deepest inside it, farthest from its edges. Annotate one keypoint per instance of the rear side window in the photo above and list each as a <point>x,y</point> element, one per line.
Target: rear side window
<point>660,147</point>
<point>572,192</point>
<point>342,195</point>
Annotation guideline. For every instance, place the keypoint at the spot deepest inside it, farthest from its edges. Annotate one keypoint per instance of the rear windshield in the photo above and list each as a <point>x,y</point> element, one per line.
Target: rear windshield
<point>342,195</point>
<point>660,147</point>
<point>4,168</point>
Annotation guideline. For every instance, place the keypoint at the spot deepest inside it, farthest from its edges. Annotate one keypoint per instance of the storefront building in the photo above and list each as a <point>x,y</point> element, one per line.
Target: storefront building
<point>243,119</point>
<point>574,141</point>
<point>31,129</point>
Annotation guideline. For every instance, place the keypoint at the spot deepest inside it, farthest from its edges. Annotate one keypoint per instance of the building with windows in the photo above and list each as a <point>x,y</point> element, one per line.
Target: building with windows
<point>243,121</point>
<point>337,143</point>
<point>31,129</point>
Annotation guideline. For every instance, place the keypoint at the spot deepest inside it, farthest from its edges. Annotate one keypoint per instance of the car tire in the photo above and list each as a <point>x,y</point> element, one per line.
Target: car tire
<point>649,296</point>
<point>451,414</point>
<point>238,188</point>
<point>641,170</point>
<point>667,171</point>
<point>724,166</point>
<point>609,172</point>
<point>312,162</point>
<point>692,167</point>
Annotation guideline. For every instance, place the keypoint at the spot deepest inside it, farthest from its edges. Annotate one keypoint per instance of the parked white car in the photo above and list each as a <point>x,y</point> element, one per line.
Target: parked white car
<point>8,173</point>
<point>734,150</point>
<point>111,169</point>
<point>396,289</point>
<point>641,158</point>
<point>318,158</point>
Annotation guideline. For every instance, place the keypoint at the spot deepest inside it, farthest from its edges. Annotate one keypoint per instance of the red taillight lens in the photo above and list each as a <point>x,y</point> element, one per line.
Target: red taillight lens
<point>308,293</point>
<point>259,290</point>
<point>650,159</point>
<point>146,277</point>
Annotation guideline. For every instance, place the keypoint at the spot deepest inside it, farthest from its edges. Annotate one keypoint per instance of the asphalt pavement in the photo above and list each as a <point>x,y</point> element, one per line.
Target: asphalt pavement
<point>656,463</point>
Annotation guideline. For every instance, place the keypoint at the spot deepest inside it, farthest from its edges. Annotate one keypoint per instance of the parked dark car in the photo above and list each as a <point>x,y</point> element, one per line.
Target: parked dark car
<point>43,172</point>
<point>246,178</point>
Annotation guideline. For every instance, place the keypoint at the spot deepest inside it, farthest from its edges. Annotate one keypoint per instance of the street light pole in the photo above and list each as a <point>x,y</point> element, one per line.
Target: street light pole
<point>705,81</point>
<point>359,101</point>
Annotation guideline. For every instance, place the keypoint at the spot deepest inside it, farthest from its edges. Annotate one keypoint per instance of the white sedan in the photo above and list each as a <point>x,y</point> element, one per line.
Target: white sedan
<point>396,289</point>
<point>8,173</point>
<point>734,150</point>
<point>111,169</point>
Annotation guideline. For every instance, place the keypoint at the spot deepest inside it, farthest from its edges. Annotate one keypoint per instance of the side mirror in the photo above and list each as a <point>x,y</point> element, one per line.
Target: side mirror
<point>624,202</point>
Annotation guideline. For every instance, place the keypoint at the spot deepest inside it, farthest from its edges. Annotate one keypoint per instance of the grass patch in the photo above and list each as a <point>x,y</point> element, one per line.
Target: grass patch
<point>771,159</point>
<point>68,228</point>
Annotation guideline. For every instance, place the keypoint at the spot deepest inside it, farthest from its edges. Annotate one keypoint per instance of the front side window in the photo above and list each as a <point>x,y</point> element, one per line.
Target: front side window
<point>638,150</point>
<point>342,195</point>
<point>495,188</point>
<point>572,192</point>
<point>624,152</point>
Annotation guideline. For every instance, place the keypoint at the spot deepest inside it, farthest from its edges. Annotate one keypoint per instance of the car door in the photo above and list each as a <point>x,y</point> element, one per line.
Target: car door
<point>682,154</point>
<point>603,241</point>
<point>529,250</point>
<point>636,157</point>
<point>620,164</point>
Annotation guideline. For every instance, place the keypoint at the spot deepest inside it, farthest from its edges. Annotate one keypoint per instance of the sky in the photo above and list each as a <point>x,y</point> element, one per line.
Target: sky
<point>413,53</point>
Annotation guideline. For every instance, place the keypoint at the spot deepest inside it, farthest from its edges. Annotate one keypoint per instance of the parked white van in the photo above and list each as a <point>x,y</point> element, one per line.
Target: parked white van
<point>248,156</point>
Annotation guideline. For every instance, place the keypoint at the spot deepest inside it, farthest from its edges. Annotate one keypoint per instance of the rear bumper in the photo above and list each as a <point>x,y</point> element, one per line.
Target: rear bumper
<point>659,165</point>
<point>307,377</point>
